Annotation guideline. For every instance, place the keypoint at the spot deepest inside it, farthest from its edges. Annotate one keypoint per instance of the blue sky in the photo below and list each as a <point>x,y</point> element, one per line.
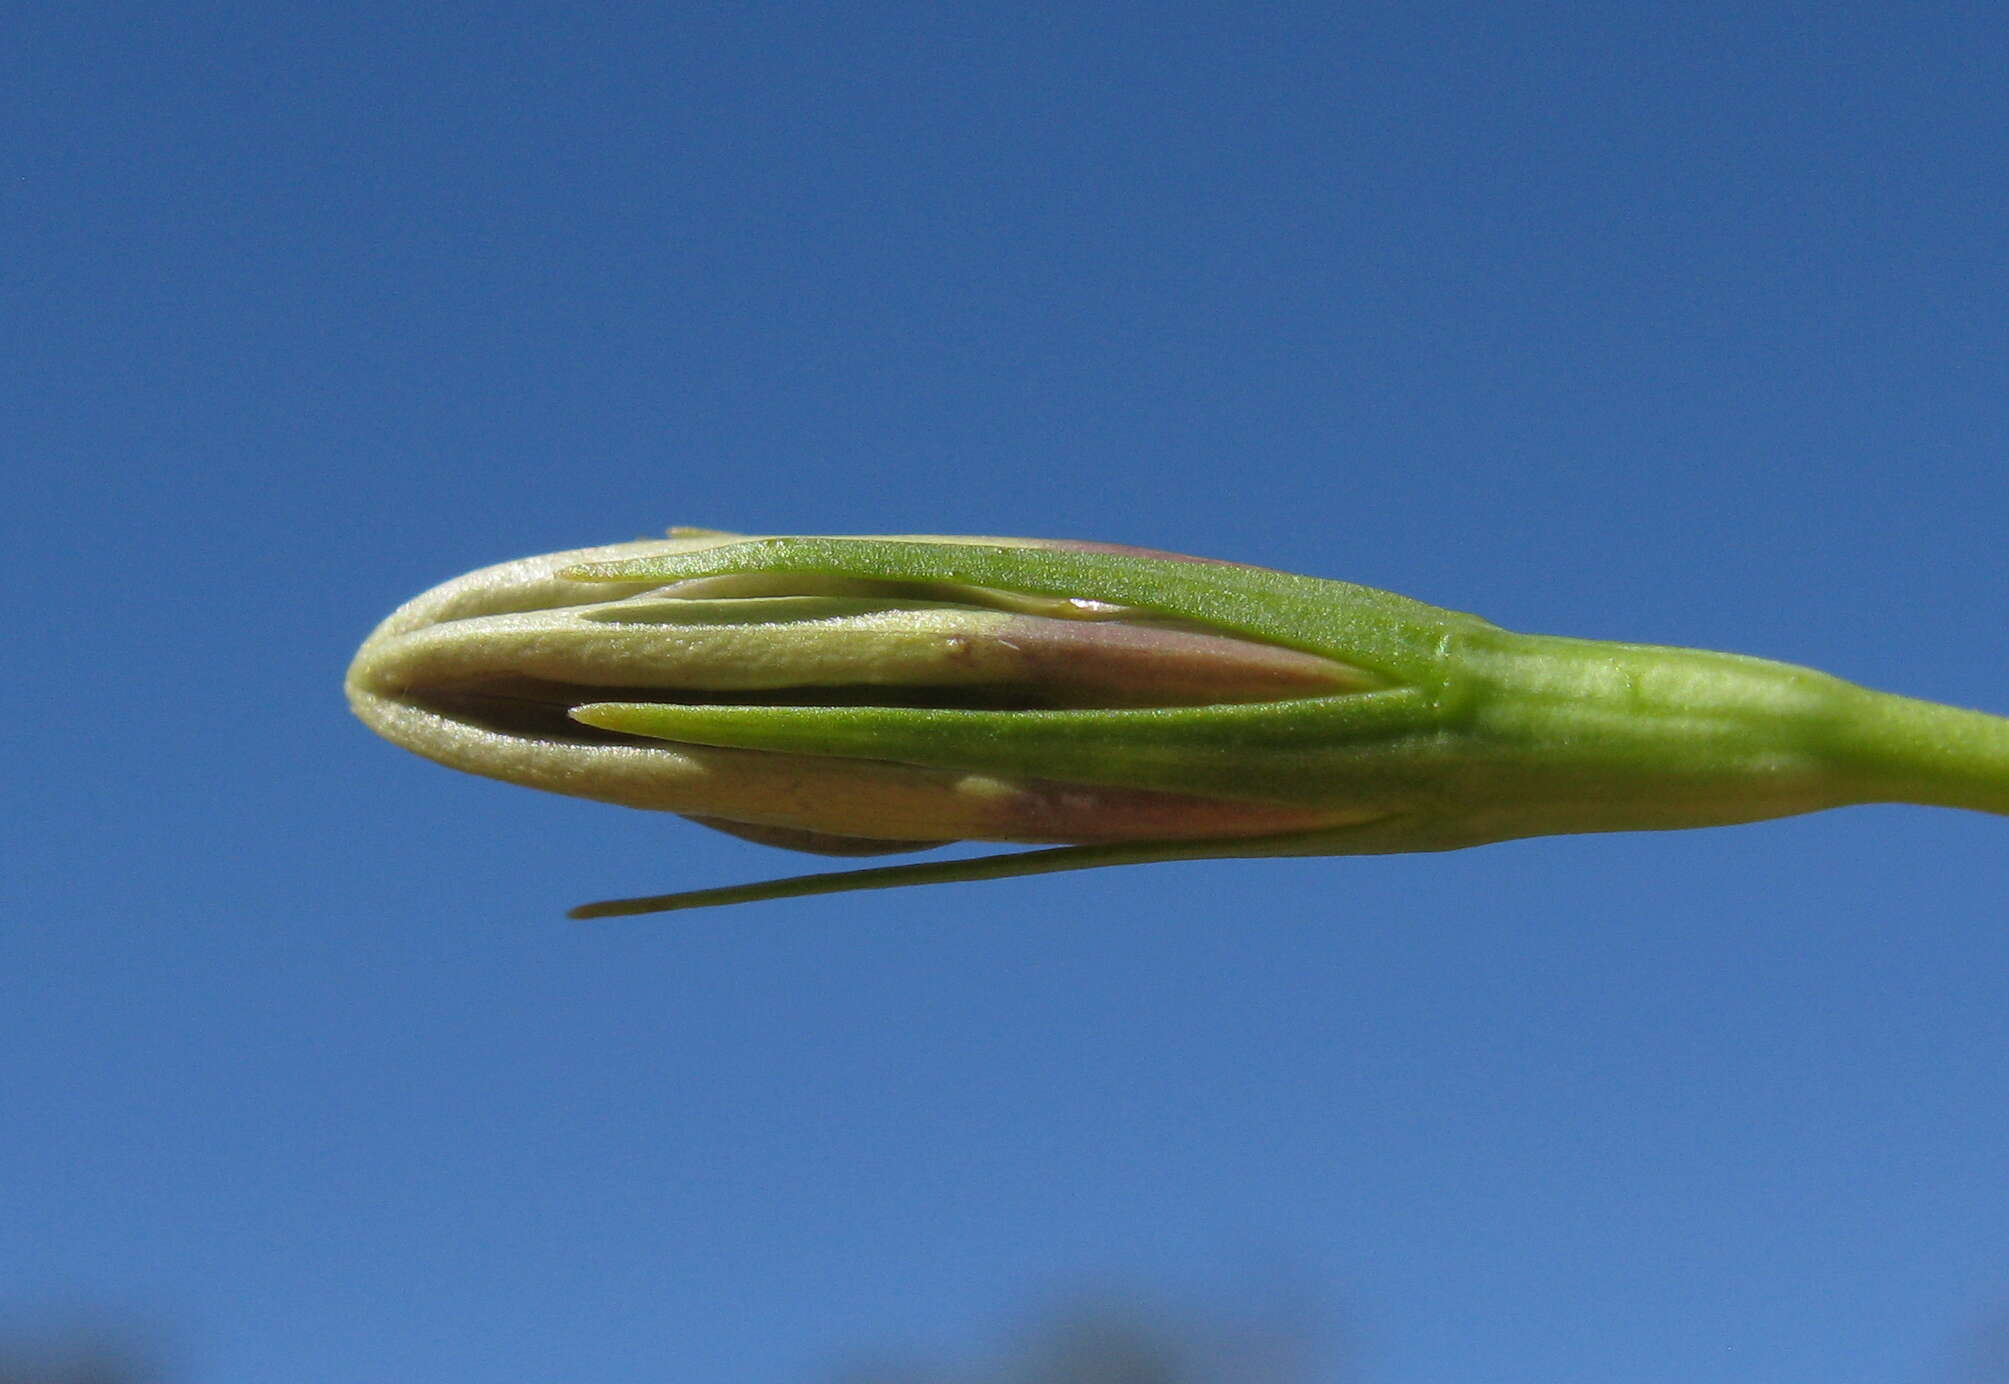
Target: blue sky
<point>1681,324</point>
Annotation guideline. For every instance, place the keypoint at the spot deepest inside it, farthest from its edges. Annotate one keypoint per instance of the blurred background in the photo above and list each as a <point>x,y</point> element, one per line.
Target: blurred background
<point>1685,324</point>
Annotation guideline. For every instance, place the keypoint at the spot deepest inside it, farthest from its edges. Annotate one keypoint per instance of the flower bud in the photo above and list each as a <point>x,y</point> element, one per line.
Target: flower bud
<point>854,696</point>
<point>519,673</point>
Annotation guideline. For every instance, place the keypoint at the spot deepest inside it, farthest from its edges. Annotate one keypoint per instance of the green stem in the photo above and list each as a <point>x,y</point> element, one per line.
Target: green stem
<point>1921,752</point>
<point>1592,736</point>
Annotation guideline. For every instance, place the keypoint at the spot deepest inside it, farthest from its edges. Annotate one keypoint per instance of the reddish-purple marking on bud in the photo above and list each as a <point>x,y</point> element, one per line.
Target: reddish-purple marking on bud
<point>1037,810</point>
<point>1082,545</point>
<point>1115,663</point>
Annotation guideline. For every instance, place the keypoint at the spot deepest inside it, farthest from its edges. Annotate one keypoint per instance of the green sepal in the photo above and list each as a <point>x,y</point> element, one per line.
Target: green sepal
<point>1390,634</point>
<point>1008,865</point>
<point>1309,751</point>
